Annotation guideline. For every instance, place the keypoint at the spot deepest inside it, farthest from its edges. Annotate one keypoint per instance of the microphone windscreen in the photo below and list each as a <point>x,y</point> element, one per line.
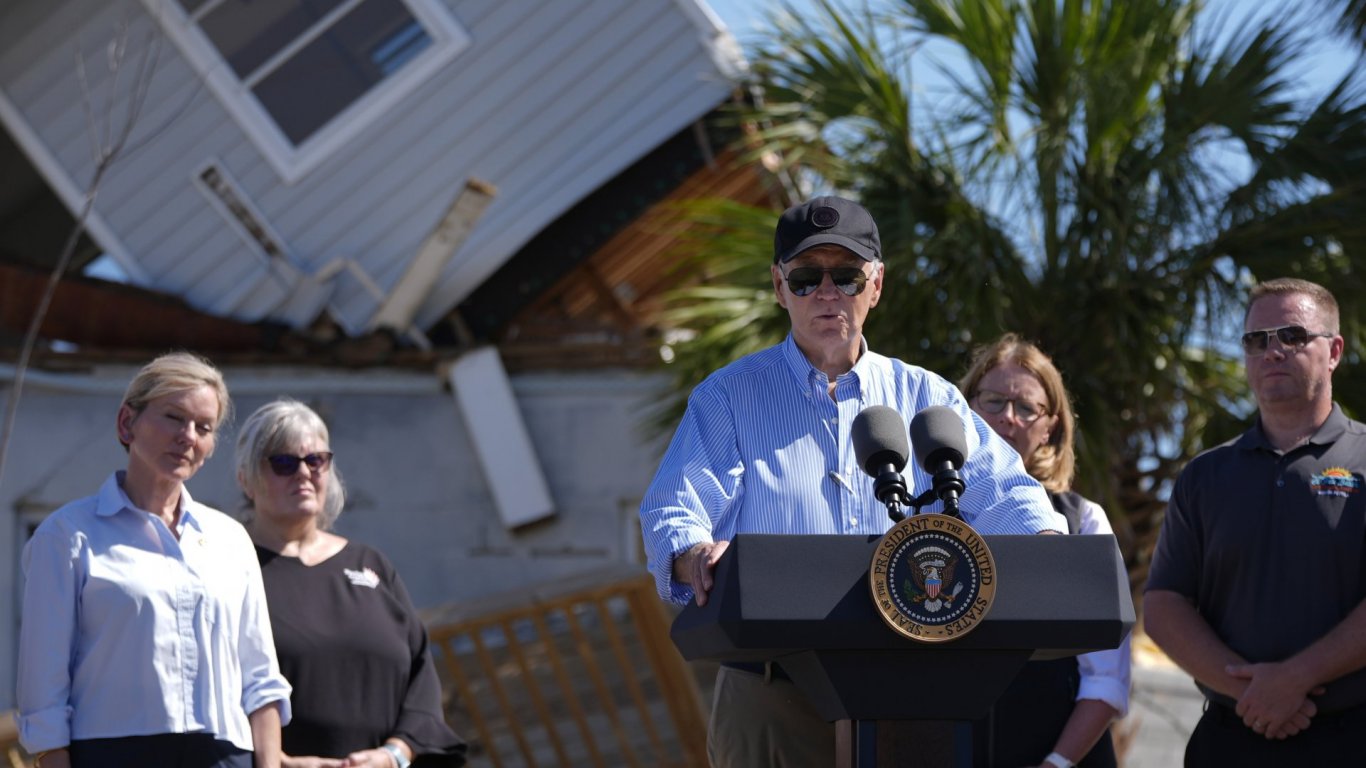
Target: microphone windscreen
<point>879,435</point>
<point>937,436</point>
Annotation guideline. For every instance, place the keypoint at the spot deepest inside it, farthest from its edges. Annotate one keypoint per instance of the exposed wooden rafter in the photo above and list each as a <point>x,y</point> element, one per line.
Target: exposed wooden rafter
<point>604,312</point>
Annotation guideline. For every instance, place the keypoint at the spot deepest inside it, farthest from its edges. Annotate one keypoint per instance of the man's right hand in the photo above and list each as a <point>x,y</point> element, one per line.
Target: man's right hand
<point>1274,703</point>
<point>694,567</point>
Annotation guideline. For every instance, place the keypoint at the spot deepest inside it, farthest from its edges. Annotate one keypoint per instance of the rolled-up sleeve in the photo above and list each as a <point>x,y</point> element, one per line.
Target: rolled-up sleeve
<point>1105,676</point>
<point>262,682</point>
<point>699,479</point>
<point>46,640</point>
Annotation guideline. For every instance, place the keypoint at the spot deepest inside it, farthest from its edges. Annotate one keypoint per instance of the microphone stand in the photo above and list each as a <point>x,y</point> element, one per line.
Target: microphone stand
<point>947,487</point>
<point>890,488</point>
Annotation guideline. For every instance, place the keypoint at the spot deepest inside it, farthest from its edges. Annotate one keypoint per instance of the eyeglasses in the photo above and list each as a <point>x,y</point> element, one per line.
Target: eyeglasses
<point>1291,337</point>
<point>285,464</point>
<point>803,281</point>
<point>995,402</point>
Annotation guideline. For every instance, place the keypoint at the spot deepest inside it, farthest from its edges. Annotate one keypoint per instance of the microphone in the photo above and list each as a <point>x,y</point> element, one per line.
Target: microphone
<point>880,446</point>
<point>940,446</point>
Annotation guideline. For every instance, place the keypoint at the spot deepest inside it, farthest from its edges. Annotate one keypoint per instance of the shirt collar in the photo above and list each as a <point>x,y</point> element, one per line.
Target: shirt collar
<point>112,499</point>
<point>1328,432</point>
<point>805,372</point>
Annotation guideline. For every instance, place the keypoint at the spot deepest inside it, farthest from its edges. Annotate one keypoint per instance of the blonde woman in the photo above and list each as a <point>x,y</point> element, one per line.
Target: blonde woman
<point>145,636</point>
<point>1056,713</point>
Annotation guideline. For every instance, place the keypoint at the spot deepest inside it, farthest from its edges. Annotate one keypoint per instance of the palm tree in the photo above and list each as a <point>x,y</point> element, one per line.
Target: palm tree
<point>1104,177</point>
<point>1351,18</point>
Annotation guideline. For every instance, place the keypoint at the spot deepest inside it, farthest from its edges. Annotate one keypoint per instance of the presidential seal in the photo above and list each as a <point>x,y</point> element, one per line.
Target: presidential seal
<point>933,578</point>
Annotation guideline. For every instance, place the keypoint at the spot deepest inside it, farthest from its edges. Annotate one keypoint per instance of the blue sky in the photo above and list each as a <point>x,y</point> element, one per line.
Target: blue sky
<point>1328,60</point>
<point>1325,62</point>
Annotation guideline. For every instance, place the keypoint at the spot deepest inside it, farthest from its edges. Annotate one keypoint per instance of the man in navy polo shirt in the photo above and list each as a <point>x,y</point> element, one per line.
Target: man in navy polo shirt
<point>1257,582</point>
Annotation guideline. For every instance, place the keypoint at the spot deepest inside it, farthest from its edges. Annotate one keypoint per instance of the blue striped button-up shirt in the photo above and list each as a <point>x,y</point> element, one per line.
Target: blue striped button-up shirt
<point>762,448</point>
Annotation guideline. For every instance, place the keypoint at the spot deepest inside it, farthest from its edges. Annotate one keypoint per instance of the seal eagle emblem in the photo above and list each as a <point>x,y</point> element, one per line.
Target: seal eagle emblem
<point>932,577</point>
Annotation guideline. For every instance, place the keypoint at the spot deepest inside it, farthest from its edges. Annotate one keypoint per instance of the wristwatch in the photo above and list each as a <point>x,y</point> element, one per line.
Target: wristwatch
<point>1053,757</point>
<point>404,762</point>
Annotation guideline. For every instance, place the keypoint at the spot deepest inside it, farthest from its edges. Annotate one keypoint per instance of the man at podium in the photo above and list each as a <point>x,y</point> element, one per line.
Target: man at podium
<point>765,447</point>
<point>1257,583</point>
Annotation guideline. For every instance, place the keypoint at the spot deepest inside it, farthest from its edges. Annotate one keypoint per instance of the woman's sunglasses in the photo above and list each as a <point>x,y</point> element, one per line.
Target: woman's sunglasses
<point>285,464</point>
<point>803,281</point>
<point>1290,336</point>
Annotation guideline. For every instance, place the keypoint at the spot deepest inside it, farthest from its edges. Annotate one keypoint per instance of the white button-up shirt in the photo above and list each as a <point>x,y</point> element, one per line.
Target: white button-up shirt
<point>128,631</point>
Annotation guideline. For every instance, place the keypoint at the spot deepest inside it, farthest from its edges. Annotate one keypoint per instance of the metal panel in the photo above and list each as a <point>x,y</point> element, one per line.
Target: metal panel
<point>500,440</point>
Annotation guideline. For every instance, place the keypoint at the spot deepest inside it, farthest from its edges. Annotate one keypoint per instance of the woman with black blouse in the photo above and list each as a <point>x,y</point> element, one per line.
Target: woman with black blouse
<point>366,692</point>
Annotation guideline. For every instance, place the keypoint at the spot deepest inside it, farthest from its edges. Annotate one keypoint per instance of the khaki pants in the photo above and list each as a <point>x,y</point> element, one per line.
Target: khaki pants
<point>757,723</point>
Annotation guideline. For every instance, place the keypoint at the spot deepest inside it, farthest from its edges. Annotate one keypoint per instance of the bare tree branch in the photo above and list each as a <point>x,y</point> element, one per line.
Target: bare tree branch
<point>107,146</point>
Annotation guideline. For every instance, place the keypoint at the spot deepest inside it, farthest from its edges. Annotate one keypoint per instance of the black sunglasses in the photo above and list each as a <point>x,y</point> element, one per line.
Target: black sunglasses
<point>1290,336</point>
<point>285,464</point>
<point>803,281</point>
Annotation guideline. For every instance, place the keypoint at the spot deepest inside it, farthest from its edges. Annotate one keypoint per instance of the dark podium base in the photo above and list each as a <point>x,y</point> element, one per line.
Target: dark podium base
<point>903,744</point>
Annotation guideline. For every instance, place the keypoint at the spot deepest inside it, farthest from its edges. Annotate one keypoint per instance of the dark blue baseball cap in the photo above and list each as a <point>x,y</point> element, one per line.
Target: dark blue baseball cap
<point>826,221</point>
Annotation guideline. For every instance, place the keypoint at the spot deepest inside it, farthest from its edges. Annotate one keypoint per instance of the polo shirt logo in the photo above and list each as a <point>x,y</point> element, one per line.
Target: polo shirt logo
<point>1335,481</point>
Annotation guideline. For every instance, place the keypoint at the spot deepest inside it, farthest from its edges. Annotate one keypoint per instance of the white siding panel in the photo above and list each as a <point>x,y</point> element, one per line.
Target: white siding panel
<point>543,131</point>
<point>249,168</point>
<point>584,129</point>
<point>426,139</point>
<point>550,100</point>
<point>41,36</point>
<point>126,196</point>
<point>656,116</point>
<point>572,79</point>
<point>371,158</point>
<point>443,137</point>
<point>29,27</point>
<point>140,207</point>
<point>194,252</point>
<point>474,13</point>
<point>487,255</point>
<point>351,293</point>
<point>211,269</point>
<point>148,196</point>
<point>165,252</point>
<point>218,289</point>
<point>151,215</point>
<point>188,226</point>
<point>52,94</point>
<point>406,213</point>
<point>256,176</point>
<point>549,117</point>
